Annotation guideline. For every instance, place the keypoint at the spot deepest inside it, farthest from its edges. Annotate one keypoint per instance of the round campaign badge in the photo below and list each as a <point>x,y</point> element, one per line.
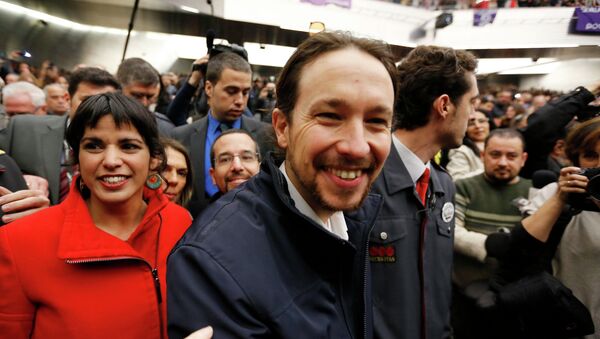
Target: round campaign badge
<point>447,212</point>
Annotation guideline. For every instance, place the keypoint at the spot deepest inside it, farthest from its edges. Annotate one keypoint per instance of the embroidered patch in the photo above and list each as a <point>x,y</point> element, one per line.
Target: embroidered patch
<point>448,212</point>
<point>382,254</point>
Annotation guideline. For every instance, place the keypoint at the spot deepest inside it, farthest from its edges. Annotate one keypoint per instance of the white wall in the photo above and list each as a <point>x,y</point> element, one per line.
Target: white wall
<point>567,76</point>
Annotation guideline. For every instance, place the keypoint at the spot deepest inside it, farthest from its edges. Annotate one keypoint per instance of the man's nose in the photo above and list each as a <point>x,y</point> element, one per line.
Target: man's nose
<point>354,143</point>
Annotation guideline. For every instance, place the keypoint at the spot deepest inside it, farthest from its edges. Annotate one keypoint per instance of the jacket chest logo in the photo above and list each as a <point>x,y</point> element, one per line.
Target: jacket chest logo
<point>382,254</point>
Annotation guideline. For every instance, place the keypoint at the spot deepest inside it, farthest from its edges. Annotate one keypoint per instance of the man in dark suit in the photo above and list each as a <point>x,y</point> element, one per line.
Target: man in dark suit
<point>228,82</point>
<point>411,244</point>
<point>37,143</point>
<point>141,81</point>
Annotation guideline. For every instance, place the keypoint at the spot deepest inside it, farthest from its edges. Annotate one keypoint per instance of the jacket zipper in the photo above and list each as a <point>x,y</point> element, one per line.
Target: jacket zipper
<point>365,286</point>
<point>153,271</point>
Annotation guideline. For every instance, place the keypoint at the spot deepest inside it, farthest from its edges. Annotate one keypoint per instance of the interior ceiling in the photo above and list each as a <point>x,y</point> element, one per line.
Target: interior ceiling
<point>163,16</point>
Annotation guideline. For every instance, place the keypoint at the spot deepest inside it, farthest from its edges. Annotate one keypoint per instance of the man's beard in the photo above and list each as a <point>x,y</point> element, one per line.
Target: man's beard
<point>316,195</point>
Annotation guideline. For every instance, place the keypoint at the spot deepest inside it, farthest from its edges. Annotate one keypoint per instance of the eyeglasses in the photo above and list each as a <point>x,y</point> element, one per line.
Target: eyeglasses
<point>226,159</point>
<point>481,121</point>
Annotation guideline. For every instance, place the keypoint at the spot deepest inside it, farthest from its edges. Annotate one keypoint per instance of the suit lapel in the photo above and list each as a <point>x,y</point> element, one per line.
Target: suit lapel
<point>197,143</point>
<point>51,144</point>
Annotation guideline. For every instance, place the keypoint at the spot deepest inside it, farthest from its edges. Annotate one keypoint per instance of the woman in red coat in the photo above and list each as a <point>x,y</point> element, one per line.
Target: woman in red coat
<point>94,265</point>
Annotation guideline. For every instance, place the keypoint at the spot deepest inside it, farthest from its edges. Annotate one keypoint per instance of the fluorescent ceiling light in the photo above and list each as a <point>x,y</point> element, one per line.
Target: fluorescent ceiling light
<point>59,21</point>
<point>189,9</point>
<point>268,55</point>
<point>496,65</point>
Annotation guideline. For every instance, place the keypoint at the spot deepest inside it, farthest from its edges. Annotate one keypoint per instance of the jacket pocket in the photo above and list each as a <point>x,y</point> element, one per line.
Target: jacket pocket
<point>389,229</point>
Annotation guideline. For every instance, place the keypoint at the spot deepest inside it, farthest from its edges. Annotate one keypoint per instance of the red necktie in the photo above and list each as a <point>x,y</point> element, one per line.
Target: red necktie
<point>422,184</point>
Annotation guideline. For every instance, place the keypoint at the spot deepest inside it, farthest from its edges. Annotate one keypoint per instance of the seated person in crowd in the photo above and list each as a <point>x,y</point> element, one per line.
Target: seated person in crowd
<point>94,266</point>
<point>177,173</point>
<point>235,158</point>
<point>465,161</point>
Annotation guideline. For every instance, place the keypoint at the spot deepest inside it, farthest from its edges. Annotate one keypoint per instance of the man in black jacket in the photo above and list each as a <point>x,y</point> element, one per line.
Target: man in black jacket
<point>279,256</point>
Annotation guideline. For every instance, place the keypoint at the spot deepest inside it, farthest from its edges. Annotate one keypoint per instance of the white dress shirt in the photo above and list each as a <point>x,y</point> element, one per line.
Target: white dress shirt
<point>336,224</point>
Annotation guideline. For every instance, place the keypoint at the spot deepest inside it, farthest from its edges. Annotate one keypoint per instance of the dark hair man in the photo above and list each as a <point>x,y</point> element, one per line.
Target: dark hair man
<point>37,143</point>
<point>141,81</point>
<point>279,257</point>
<point>235,158</point>
<point>485,204</point>
<point>227,85</point>
<point>411,244</point>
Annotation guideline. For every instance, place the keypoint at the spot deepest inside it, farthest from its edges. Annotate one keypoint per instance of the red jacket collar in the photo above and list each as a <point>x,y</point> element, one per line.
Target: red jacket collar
<point>80,239</point>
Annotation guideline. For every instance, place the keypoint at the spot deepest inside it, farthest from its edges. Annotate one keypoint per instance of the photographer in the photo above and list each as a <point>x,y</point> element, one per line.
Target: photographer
<point>546,125</point>
<point>191,100</point>
<point>564,232</point>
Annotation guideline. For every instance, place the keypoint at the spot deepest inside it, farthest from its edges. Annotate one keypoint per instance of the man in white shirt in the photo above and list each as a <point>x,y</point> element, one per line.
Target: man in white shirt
<point>279,256</point>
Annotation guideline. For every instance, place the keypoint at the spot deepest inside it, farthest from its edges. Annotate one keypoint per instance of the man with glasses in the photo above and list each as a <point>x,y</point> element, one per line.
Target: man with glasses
<point>228,82</point>
<point>234,158</point>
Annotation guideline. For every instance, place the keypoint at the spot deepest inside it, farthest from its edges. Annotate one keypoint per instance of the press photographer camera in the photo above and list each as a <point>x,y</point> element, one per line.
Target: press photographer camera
<point>191,101</point>
<point>585,201</point>
<point>214,50</point>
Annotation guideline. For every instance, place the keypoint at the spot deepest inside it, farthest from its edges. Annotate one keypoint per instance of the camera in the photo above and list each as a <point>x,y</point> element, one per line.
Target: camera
<point>584,201</point>
<point>270,94</point>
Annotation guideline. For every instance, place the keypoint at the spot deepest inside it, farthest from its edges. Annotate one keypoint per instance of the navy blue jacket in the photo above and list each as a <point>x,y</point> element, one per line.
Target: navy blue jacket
<point>412,270</point>
<point>253,266</point>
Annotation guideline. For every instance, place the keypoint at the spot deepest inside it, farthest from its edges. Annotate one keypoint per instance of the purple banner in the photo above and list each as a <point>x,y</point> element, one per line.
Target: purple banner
<point>588,19</point>
<point>341,3</point>
<point>482,17</point>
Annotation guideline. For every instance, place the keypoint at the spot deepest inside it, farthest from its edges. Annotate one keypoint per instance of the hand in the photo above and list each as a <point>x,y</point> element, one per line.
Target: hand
<point>570,181</point>
<point>204,333</point>
<point>196,76</point>
<point>21,203</point>
<point>36,183</point>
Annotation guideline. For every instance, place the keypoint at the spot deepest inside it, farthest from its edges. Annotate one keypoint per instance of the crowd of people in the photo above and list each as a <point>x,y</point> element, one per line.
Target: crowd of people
<point>349,198</point>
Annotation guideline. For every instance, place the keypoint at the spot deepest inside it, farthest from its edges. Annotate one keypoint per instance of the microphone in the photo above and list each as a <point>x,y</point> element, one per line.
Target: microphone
<point>541,178</point>
<point>210,39</point>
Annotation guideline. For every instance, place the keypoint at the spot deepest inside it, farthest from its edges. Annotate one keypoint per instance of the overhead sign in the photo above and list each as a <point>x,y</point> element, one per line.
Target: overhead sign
<point>587,19</point>
<point>482,17</point>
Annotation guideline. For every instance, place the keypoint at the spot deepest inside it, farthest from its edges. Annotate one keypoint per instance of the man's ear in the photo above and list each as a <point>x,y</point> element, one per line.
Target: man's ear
<point>208,88</point>
<point>441,106</point>
<point>211,171</point>
<point>525,155</point>
<point>281,126</point>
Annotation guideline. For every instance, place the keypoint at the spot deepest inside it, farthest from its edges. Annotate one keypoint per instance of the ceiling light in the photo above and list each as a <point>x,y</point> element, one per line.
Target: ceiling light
<point>189,9</point>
